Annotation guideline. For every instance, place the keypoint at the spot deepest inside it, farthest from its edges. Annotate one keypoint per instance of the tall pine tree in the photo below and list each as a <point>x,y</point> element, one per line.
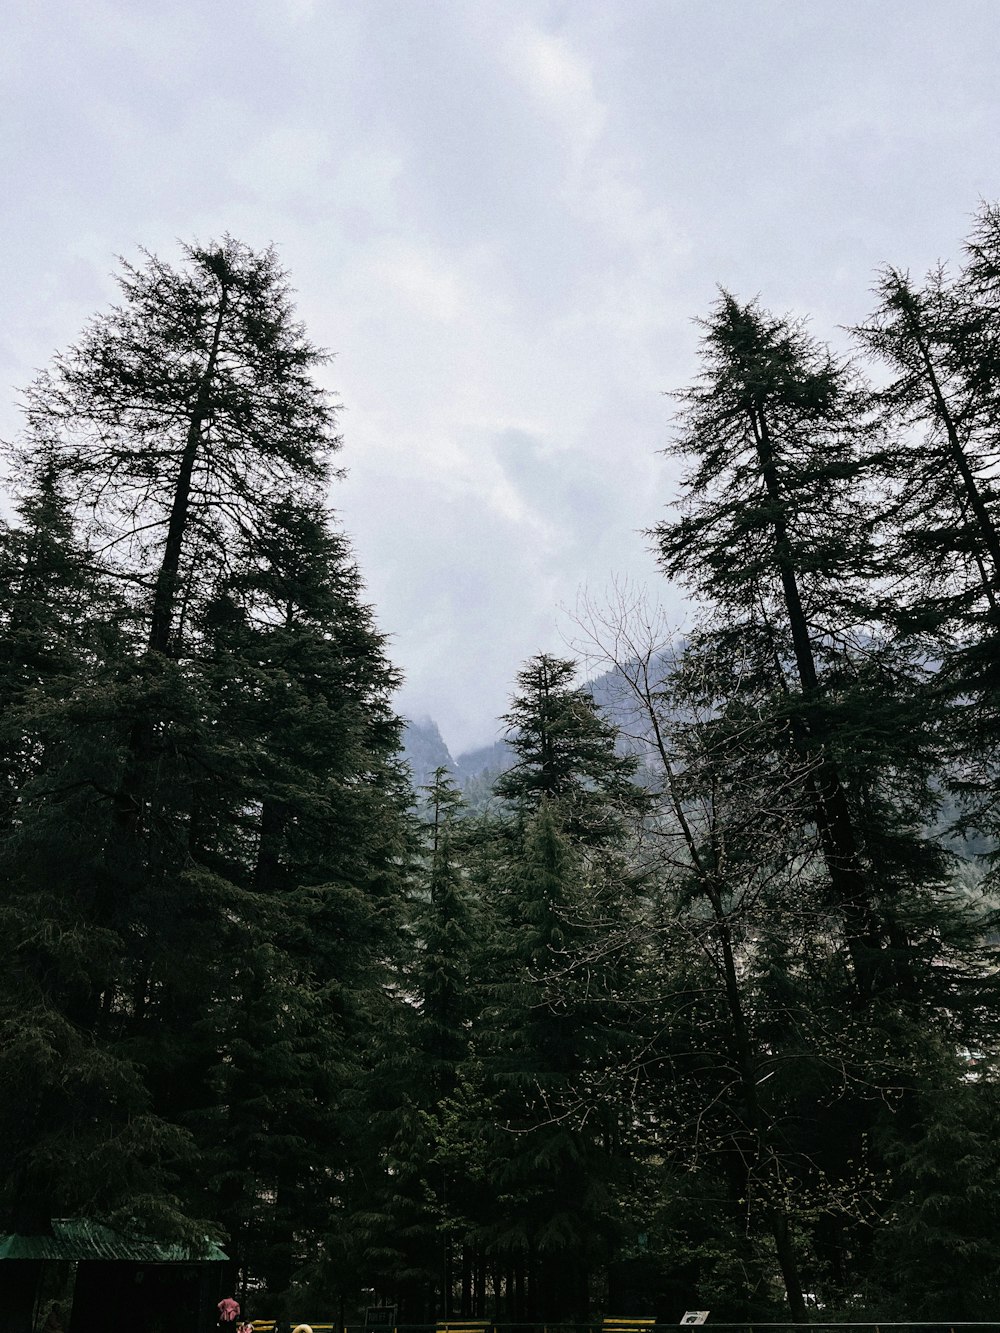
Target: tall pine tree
<point>208,818</point>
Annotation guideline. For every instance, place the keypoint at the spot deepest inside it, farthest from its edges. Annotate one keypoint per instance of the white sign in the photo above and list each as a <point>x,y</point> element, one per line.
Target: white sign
<point>694,1316</point>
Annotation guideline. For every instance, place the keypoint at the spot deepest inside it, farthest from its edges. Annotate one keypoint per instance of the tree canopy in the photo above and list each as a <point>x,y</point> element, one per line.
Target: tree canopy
<point>695,1006</point>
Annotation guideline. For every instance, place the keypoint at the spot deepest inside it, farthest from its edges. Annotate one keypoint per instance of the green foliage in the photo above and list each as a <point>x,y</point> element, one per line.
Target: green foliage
<point>937,1255</point>
<point>725,1037</point>
<point>565,753</point>
<point>555,975</point>
<point>204,819</point>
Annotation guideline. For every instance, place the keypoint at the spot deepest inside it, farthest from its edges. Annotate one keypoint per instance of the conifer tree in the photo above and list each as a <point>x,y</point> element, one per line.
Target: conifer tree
<point>217,839</point>
<point>804,704</point>
<point>414,1224</point>
<point>78,1128</point>
<point>444,928</point>
<point>549,1170</point>
<point>939,339</point>
<point>938,1256</point>
<point>197,395</point>
<point>554,972</point>
<point>775,533</point>
<point>565,753</point>
<point>303,809</point>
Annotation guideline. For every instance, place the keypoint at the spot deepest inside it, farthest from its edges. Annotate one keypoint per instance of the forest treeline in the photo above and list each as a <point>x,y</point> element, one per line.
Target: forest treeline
<point>697,1010</point>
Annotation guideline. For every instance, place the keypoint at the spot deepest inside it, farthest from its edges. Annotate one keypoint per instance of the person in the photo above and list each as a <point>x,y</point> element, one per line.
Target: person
<point>229,1312</point>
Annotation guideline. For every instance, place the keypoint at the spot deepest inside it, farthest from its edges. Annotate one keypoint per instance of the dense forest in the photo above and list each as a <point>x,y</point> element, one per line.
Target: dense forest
<point>695,1006</point>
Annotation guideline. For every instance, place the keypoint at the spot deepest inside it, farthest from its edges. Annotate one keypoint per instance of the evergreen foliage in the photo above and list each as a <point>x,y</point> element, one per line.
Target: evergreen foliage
<point>565,753</point>
<point>694,1004</point>
<point>205,822</point>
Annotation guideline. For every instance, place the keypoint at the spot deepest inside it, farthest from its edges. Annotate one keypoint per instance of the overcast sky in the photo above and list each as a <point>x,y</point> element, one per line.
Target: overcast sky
<point>502,216</point>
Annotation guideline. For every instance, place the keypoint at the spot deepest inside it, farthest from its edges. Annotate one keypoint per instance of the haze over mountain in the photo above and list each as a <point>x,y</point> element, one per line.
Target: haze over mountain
<point>425,749</point>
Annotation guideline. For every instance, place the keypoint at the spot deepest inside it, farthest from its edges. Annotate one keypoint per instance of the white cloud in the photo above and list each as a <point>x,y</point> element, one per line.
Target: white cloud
<point>561,81</point>
<point>501,216</point>
<point>284,164</point>
<point>366,177</point>
<point>433,289</point>
<point>300,11</point>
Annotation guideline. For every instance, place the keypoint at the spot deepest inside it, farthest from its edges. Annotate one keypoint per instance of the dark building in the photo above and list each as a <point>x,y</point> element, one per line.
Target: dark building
<point>85,1278</point>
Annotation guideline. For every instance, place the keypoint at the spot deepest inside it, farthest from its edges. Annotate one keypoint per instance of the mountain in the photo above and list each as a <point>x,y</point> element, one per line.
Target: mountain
<point>425,751</point>
<point>424,748</point>
<point>495,758</point>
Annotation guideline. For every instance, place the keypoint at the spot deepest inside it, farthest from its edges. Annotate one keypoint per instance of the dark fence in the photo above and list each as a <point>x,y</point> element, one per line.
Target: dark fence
<point>458,1325</point>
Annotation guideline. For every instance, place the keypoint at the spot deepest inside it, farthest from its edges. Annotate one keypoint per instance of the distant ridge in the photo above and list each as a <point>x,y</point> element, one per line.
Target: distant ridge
<point>424,747</point>
<point>425,750</point>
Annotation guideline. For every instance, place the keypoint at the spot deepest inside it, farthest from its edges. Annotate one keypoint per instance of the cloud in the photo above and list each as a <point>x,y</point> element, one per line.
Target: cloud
<point>455,577</point>
<point>501,217</point>
<point>562,494</point>
<point>284,164</point>
<point>561,81</point>
<point>366,178</point>
<point>300,11</point>
<point>433,290</point>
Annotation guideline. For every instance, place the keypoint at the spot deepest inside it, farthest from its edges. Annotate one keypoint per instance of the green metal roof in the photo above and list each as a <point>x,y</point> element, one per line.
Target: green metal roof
<point>77,1238</point>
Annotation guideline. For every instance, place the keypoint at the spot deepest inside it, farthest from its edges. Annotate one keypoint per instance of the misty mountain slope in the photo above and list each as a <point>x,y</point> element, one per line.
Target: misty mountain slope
<point>425,749</point>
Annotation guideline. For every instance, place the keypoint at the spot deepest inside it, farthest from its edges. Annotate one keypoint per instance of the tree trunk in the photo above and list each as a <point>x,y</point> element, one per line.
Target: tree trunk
<point>832,811</point>
<point>166,579</point>
<point>466,1282</point>
<point>987,530</point>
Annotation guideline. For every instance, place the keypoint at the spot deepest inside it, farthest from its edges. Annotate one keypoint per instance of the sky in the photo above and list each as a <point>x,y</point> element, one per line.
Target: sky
<point>503,217</point>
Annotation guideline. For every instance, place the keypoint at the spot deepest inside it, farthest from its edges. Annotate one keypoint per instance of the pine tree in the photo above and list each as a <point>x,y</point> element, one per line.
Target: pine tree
<point>775,532</point>
<point>211,822</point>
<point>938,1256</point>
<point>43,637</point>
<point>413,1223</point>
<point>197,396</point>
<point>554,972</point>
<point>301,806</point>
<point>805,709</point>
<point>444,925</point>
<point>549,1171</point>
<point>565,754</point>
<point>78,1128</point>
<point>940,340</point>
